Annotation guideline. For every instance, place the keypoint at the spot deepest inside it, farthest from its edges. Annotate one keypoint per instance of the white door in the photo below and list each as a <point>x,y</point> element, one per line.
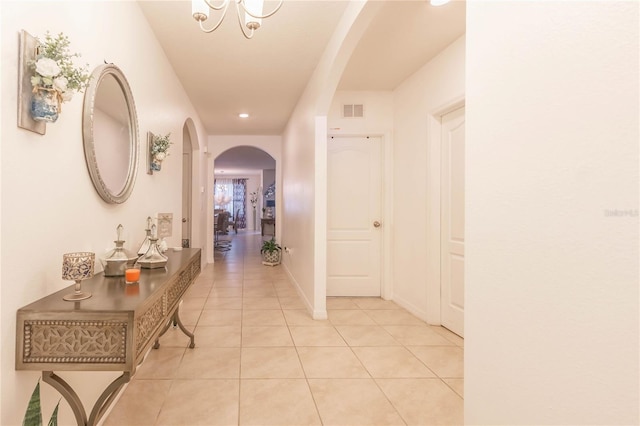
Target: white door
<point>452,222</point>
<point>354,222</point>
<point>186,199</point>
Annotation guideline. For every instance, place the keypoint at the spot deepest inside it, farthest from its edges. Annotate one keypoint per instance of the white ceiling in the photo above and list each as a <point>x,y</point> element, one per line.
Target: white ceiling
<point>225,74</point>
<point>243,159</point>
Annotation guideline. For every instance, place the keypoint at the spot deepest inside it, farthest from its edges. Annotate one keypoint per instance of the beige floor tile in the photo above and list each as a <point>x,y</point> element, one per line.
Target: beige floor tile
<point>445,361</point>
<point>331,363</point>
<point>424,401</point>
<point>210,363</point>
<point>129,410</point>
<point>255,275</point>
<point>198,290</point>
<point>261,303</point>
<point>341,303</point>
<point>230,309</point>
<point>261,283</point>
<point>374,303</point>
<point>226,292</point>
<point>221,317</point>
<point>259,292</point>
<point>174,337</point>
<point>205,277</point>
<point>391,362</point>
<point>457,340</point>
<point>160,363</point>
<point>271,363</point>
<point>266,336</point>
<point>228,275</point>
<point>193,303</point>
<point>316,336</point>
<point>366,335</point>
<point>291,303</point>
<point>300,317</point>
<point>201,402</point>
<point>223,303</point>
<point>189,318</point>
<point>277,402</point>
<point>416,335</point>
<point>225,336</point>
<point>457,385</point>
<point>393,317</point>
<point>287,292</point>
<point>352,402</point>
<point>279,283</point>
<point>349,317</point>
<point>263,317</point>
<point>228,283</point>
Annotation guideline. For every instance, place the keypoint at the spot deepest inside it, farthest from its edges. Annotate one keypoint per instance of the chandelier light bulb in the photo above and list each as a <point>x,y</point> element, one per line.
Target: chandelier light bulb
<point>250,14</point>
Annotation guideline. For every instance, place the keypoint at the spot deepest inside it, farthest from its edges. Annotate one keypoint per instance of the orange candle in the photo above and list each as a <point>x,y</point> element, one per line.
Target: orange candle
<point>132,275</point>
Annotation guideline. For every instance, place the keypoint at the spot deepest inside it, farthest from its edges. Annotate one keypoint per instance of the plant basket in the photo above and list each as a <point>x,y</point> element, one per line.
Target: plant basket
<point>271,258</point>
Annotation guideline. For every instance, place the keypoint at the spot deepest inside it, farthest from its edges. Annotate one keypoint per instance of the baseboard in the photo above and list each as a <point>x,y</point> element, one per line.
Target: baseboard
<point>420,313</point>
<point>316,315</point>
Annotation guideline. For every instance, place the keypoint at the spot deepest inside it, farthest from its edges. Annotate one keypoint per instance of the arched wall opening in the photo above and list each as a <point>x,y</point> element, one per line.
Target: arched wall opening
<point>231,150</point>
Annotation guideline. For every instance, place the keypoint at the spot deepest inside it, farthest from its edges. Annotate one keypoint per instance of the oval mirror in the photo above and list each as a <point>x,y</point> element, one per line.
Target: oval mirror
<point>110,134</point>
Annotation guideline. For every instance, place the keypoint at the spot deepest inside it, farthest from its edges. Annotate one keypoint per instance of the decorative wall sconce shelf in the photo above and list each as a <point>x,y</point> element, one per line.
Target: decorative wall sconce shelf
<point>28,46</point>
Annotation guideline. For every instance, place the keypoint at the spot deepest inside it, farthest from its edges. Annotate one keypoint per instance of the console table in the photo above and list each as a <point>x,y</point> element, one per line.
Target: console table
<point>110,331</point>
<point>268,221</point>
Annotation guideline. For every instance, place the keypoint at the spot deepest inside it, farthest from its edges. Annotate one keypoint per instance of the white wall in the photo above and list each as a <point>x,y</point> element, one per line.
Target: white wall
<point>217,144</point>
<point>437,83</point>
<point>304,153</point>
<point>378,113</point>
<point>49,205</point>
<point>552,275</point>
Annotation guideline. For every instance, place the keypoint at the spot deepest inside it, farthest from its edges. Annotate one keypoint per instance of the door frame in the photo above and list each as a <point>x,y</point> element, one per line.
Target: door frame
<point>386,169</point>
<point>434,255</point>
<point>188,194</point>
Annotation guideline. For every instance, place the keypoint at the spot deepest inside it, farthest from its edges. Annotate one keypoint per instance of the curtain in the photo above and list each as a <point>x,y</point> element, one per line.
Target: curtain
<point>240,201</point>
<point>231,195</point>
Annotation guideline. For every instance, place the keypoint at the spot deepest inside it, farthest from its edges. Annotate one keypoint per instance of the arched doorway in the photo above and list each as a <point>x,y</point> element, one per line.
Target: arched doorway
<point>245,184</point>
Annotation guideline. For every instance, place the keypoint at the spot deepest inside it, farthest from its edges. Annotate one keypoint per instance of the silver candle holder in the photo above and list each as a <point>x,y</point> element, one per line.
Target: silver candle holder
<point>77,267</point>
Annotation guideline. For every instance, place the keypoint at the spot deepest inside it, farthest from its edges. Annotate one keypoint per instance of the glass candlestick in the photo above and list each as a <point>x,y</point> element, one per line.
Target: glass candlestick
<point>77,267</point>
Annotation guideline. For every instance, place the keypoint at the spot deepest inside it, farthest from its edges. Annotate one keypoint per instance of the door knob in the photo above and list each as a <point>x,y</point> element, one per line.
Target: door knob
<point>184,220</point>
<point>376,224</point>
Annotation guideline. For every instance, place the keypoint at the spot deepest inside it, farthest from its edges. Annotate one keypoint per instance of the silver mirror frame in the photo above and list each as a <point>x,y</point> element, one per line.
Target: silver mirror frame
<point>88,137</point>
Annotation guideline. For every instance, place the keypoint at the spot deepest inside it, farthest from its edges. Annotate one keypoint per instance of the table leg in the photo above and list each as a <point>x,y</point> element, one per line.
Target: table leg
<point>100,406</point>
<point>175,320</point>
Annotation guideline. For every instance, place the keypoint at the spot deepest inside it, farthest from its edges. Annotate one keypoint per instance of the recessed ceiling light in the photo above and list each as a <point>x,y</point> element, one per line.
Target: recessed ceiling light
<point>438,2</point>
<point>243,115</point>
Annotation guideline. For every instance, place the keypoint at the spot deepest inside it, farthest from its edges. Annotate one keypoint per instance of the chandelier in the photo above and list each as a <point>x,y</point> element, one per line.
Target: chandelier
<point>251,9</point>
<point>220,197</point>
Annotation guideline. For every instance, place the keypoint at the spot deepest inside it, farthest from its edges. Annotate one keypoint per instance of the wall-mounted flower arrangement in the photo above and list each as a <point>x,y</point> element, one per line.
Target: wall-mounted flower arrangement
<point>47,78</point>
<point>158,151</point>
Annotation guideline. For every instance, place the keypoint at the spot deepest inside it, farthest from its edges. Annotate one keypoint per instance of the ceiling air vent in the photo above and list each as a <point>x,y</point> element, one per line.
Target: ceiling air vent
<point>353,111</point>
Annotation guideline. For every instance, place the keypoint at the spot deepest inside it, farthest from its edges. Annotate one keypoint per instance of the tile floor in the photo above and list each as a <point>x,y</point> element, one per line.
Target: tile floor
<point>261,360</point>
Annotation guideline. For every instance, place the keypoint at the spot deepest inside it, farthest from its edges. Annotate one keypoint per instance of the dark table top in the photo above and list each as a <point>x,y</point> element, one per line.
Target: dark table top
<point>111,294</point>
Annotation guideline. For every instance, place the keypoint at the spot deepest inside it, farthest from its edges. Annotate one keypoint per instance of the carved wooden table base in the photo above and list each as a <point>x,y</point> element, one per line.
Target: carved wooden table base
<point>110,331</point>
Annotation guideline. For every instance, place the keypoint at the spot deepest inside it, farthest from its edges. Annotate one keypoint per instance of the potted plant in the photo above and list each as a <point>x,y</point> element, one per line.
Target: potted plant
<point>33,416</point>
<point>55,77</point>
<point>271,252</point>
